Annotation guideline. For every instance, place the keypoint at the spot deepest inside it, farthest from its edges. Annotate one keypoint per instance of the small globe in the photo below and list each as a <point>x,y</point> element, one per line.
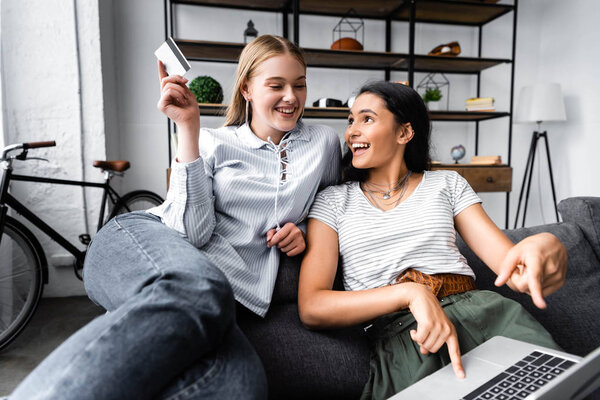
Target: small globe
<point>457,152</point>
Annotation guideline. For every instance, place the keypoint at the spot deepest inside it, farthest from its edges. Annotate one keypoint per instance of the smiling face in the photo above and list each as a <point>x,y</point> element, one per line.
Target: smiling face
<point>277,93</point>
<point>373,135</point>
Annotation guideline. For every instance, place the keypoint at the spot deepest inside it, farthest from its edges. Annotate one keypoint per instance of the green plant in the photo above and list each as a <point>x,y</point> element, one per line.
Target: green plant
<point>206,90</point>
<point>432,94</point>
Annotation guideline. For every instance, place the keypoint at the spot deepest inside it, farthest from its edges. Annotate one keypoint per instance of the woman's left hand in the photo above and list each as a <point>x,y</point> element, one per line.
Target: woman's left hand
<point>289,239</point>
<point>537,265</point>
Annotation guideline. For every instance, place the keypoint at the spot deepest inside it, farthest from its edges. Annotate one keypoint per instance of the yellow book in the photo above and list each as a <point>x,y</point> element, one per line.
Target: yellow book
<point>479,100</point>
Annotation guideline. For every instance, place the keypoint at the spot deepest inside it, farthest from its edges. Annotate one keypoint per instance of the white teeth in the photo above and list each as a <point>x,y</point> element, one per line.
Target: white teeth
<point>286,110</point>
<point>360,145</point>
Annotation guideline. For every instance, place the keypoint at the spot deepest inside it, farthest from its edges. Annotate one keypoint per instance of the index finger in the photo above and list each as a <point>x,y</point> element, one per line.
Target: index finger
<point>454,352</point>
<point>162,71</point>
<point>509,264</point>
<point>535,288</point>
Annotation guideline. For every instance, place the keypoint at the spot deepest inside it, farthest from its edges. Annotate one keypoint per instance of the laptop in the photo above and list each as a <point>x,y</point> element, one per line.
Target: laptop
<point>507,369</point>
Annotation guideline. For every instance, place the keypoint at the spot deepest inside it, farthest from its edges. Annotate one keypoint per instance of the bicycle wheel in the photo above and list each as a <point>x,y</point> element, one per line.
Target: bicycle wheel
<point>21,284</point>
<point>135,201</point>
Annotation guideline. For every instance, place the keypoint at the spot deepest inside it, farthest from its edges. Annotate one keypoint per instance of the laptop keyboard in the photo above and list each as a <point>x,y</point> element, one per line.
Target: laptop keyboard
<point>521,379</point>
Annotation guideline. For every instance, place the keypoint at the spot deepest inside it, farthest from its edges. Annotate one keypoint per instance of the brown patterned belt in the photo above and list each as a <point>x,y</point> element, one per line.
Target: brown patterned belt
<point>441,285</point>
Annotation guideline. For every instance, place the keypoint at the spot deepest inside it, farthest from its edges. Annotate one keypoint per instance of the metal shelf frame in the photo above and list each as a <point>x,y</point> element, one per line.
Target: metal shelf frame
<point>450,12</point>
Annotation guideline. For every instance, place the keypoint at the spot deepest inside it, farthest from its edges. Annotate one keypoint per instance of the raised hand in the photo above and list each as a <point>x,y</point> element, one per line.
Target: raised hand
<point>289,239</point>
<point>176,101</point>
<point>179,104</point>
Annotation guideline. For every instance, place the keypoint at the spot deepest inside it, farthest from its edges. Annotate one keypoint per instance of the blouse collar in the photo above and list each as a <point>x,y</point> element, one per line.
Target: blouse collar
<point>248,137</point>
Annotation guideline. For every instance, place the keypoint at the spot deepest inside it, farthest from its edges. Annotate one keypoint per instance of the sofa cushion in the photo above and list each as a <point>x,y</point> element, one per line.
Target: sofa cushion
<point>585,212</point>
<point>286,285</point>
<point>572,313</point>
<point>301,363</point>
<point>304,364</point>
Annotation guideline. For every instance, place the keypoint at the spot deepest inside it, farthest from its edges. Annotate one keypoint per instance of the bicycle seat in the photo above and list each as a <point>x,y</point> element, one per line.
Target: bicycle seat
<point>118,166</point>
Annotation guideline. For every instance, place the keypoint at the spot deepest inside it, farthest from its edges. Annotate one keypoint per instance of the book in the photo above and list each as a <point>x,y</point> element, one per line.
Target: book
<point>479,100</point>
<point>483,108</point>
<point>486,160</point>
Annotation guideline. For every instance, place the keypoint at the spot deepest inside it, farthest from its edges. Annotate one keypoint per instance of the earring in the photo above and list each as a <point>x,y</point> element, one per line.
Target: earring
<point>247,109</point>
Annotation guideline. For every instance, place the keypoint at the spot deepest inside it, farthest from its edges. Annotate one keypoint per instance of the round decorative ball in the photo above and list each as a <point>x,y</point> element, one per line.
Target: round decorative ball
<point>457,152</point>
<point>206,90</point>
<point>346,43</point>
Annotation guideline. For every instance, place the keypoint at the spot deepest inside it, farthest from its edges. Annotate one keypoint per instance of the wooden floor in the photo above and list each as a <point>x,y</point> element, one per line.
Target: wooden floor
<point>54,321</point>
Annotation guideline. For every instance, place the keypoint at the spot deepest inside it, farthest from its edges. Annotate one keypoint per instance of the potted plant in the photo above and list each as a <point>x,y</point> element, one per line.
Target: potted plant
<point>432,98</point>
<point>206,90</point>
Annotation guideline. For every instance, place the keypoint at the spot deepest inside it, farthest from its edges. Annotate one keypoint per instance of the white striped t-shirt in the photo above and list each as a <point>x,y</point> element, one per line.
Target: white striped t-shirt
<point>376,246</point>
<point>225,201</point>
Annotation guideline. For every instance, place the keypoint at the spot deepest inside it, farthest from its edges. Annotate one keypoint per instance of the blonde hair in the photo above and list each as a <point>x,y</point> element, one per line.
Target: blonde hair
<point>260,49</point>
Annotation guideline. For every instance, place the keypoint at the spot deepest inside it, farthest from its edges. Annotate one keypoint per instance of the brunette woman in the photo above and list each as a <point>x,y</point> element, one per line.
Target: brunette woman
<point>393,224</point>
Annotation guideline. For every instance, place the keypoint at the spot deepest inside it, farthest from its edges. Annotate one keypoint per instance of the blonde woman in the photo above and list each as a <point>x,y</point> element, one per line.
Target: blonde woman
<point>168,277</point>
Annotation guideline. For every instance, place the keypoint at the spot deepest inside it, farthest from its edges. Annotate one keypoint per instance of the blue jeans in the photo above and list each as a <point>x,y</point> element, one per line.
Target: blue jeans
<point>170,332</point>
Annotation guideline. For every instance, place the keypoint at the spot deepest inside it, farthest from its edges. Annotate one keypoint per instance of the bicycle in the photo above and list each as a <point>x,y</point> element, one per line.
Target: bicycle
<point>23,264</point>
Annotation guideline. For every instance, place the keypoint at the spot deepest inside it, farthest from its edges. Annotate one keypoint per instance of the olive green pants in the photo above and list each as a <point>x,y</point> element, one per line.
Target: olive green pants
<point>478,315</point>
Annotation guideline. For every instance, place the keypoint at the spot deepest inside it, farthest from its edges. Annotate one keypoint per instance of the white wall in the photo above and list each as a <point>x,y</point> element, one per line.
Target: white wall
<point>41,71</point>
<point>557,44</point>
<point>139,30</point>
<point>120,89</point>
<point>2,119</point>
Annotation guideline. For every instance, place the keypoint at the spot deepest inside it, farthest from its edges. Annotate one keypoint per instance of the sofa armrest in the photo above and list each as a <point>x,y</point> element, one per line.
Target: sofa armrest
<point>585,212</point>
<point>572,313</point>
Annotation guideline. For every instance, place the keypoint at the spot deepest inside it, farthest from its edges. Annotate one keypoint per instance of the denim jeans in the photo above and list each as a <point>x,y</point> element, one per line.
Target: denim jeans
<point>170,332</point>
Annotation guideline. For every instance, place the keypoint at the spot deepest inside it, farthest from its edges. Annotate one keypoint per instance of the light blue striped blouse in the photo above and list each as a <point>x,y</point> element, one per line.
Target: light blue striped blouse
<point>241,187</point>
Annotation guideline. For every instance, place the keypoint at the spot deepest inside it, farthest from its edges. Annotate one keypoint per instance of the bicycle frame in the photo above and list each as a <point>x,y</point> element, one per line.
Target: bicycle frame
<point>7,200</point>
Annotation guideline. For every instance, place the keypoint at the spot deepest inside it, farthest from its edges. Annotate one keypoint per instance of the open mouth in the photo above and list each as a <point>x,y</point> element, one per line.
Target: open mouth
<point>360,148</point>
<point>286,112</point>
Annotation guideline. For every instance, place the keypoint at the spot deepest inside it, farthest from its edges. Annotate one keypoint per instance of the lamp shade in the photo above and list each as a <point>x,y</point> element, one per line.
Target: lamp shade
<point>541,102</point>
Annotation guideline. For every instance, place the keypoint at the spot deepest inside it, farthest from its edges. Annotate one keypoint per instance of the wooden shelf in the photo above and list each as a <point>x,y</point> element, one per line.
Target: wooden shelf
<point>432,11</point>
<point>355,59</point>
<point>466,115</point>
<point>454,12</point>
<point>342,113</point>
<point>458,65</point>
<point>201,50</point>
<point>482,178</point>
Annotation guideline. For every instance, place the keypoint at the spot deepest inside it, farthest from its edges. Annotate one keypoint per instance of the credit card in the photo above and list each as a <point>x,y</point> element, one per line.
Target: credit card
<point>172,58</point>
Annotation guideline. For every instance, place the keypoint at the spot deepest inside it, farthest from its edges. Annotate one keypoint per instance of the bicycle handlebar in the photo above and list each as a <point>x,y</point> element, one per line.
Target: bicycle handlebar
<point>24,146</point>
<point>33,145</point>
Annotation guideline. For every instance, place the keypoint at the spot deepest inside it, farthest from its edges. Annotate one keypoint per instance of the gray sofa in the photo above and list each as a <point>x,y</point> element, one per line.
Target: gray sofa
<point>307,364</point>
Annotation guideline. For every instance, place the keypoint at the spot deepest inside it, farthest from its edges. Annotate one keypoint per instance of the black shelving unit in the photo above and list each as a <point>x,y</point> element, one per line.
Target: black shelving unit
<point>465,13</point>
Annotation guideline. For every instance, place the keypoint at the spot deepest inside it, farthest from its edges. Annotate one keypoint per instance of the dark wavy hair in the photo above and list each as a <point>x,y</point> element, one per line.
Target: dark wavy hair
<point>407,106</point>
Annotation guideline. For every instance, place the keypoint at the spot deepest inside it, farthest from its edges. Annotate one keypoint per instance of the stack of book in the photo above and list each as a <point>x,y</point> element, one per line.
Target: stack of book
<point>486,160</point>
<point>480,104</point>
